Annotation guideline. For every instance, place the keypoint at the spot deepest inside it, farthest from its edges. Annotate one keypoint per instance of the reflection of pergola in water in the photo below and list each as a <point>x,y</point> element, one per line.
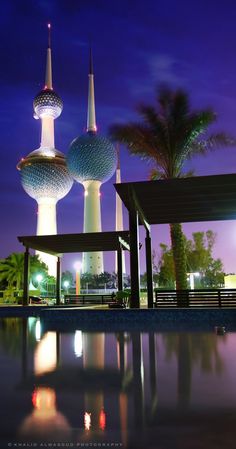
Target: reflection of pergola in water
<point>59,244</point>
<point>186,200</point>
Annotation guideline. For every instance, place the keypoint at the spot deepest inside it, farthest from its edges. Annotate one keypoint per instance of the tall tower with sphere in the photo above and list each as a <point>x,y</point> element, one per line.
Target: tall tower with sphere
<point>44,174</point>
<point>92,160</point>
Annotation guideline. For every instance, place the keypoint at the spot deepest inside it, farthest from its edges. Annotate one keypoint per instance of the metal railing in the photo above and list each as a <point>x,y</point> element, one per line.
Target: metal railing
<point>81,300</point>
<point>201,298</point>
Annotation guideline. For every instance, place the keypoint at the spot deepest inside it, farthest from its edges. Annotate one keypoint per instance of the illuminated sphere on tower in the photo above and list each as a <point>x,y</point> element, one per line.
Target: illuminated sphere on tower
<point>91,157</point>
<point>47,103</point>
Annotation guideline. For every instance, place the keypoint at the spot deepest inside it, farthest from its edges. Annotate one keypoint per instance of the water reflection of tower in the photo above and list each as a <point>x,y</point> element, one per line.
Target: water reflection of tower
<point>45,423</point>
<point>44,174</point>
<point>93,358</point>
<point>91,161</point>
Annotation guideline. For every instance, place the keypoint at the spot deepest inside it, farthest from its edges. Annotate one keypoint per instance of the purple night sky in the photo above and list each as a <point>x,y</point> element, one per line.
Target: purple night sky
<point>137,45</point>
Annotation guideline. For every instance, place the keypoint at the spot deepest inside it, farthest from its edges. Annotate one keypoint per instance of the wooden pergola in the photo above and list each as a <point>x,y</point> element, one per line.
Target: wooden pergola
<point>59,244</point>
<point>181,200</point>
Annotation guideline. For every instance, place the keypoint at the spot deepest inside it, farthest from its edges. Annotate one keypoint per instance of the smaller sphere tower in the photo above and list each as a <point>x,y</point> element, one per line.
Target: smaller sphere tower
<point>44,174</point>
<point>92,160</point>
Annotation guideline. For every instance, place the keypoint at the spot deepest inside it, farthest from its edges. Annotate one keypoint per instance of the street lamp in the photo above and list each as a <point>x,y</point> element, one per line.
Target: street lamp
<point>39,278</point>
<point>191,279</point>
<point>66,285</point>
<point>78,267</point>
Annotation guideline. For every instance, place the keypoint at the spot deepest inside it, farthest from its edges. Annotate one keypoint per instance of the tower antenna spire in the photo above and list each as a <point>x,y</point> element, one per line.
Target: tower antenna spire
<point>48,77</point>
<point>91,116</point>
<point>91,61</point>
<point>49,35</point>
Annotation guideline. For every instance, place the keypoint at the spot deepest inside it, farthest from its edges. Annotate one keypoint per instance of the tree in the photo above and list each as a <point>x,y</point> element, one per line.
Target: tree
<point>166,276</point>
<point>67,276</point>
<point>96,281</point>
<point>199,258</point>
<point>12,269</point>
<point>168,136</point>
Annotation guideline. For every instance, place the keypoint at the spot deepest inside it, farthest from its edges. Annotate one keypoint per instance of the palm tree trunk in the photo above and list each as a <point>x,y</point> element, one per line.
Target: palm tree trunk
<point>179,255</point>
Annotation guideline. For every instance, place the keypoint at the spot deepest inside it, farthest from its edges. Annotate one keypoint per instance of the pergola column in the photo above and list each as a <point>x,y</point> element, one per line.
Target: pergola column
<point>26,278</point>
<point>134,259</point>
<point>148,247</point>
<point>120,268</point>
<point>58,282</point>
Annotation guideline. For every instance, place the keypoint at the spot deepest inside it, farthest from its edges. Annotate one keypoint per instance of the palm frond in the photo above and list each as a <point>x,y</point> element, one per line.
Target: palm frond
<point>170,134</point>
<point>156,174</point>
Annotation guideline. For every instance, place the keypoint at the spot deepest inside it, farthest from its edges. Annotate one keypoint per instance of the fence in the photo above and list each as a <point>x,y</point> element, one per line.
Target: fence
<point>89,299</point>
<point>214,298</point>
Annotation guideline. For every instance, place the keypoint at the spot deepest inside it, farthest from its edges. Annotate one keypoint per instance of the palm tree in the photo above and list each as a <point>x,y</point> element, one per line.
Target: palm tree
<point>12,268</point>
<point>167,136</point>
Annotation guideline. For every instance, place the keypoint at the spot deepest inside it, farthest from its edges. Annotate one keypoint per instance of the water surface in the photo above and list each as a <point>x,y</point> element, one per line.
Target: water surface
<point>83,389</point>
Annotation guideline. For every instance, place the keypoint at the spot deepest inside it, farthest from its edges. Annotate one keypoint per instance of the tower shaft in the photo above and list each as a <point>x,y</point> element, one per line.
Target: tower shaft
<point>47,225</point>
<point>93,261</point>
<point>47,133</point>
<point>48,75</point>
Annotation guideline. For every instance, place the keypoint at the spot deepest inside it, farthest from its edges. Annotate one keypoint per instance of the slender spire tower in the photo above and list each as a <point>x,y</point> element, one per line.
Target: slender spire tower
<point>91,114</point>
<point>44,174</point>
<point>92,262</point>
<point>119,211</point>
<point>91,161</point>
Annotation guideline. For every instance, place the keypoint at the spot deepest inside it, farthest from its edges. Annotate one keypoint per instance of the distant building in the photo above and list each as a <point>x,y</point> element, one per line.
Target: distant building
<point>230,281</point>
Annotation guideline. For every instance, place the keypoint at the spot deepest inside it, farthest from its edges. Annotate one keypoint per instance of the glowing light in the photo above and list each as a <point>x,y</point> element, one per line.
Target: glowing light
<point>66,284</point>
<point>39,277</point>
<point>78,265</point>
<point>44,399</point>
<point>38,330</point>
<point>85,193</point>
<point>87,421</point>
<point>49,25</point>
<point>191,278</point>
<point>44,422</point>
<point>78,344</point>
<point>102,420</point>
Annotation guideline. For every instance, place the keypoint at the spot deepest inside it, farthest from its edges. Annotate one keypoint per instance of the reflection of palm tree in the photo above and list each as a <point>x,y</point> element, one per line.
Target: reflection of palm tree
<point>190,349</point>
<point>167,137</point>
<point>13,335</point>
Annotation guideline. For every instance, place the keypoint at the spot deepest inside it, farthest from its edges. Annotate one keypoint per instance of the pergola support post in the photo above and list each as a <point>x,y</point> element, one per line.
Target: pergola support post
<point>58,282</point>
<point>120,268</point>
<point>148,247</point>
<point>25,301</point>
<point>134,259</point>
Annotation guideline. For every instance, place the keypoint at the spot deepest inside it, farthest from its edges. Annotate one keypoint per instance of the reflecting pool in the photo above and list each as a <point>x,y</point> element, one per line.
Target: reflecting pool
<point>161,390</point>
